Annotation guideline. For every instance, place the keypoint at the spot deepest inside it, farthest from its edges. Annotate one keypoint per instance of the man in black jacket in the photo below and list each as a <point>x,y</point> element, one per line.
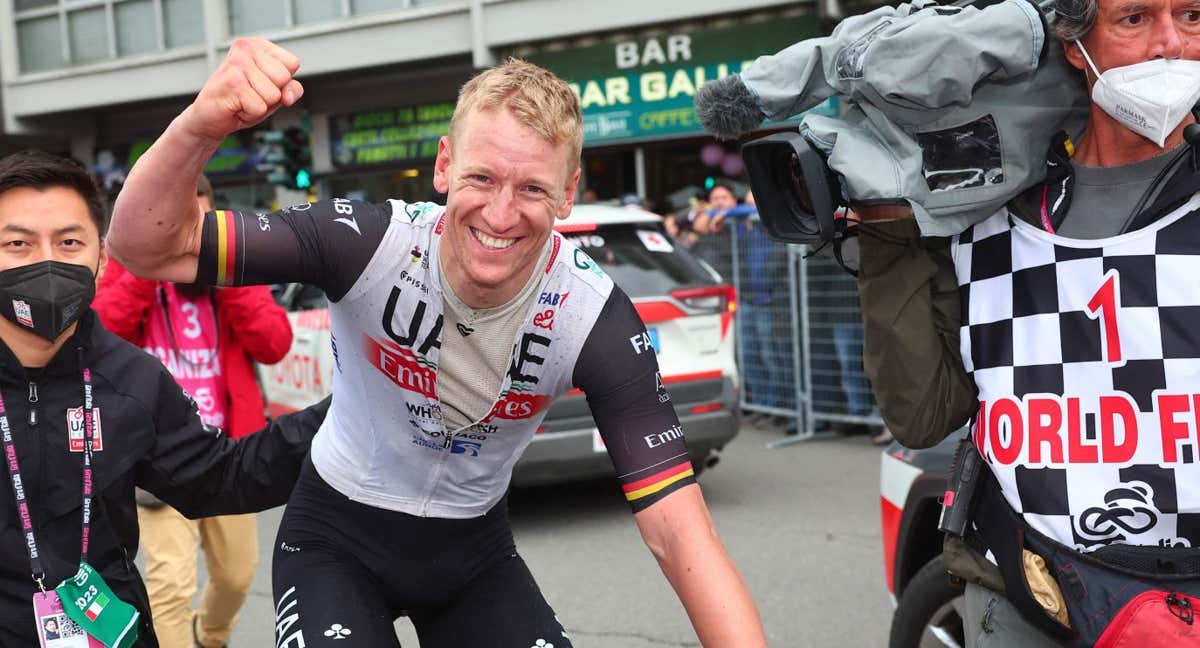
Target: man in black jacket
<point>145,431</point>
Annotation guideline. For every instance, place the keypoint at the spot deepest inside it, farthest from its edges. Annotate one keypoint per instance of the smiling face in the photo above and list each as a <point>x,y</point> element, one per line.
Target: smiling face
<point>505,185</point>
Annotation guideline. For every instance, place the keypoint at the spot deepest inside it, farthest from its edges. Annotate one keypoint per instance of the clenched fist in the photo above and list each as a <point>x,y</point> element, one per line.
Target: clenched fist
<point>253,81</point>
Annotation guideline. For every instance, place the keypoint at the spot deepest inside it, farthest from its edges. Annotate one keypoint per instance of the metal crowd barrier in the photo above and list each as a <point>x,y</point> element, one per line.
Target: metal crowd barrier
<point>799,331</point>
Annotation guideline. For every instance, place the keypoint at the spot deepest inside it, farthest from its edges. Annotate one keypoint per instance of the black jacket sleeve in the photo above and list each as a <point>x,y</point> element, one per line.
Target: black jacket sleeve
<point>327,244</point>
<point>201,472</point>
<point>910,305</point>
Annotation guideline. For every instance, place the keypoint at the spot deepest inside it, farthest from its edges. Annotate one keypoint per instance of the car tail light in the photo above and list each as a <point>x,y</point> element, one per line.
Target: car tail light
<point>719,299</point>
<point>575,228</point>
<point>704,409</point>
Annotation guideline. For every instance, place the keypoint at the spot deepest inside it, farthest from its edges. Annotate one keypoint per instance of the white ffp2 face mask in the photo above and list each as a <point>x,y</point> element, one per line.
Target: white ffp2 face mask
<point>1149,98</point>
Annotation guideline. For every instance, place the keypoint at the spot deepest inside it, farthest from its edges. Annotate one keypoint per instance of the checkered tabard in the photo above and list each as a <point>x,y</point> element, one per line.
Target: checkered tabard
<point>1087,359</point>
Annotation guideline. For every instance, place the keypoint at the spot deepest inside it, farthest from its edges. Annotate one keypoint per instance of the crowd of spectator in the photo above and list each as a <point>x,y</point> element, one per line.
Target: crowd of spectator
<point>714,227</point>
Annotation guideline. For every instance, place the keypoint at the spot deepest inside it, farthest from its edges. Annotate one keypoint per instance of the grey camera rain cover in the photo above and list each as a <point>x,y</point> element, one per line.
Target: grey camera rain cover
<point>949,108</point>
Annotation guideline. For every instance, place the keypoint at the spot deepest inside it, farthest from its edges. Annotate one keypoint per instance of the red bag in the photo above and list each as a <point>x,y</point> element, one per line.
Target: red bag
<point>1154,619</point>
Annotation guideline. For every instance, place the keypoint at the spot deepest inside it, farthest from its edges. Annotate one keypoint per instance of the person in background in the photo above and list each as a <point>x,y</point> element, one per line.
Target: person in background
<point>710,217</point>
<point>766,368</point>
<point>209,339</point>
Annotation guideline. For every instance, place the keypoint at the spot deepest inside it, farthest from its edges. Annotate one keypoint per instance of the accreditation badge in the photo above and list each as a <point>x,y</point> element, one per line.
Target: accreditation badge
<point>54,628</point>
<point>90,603</point>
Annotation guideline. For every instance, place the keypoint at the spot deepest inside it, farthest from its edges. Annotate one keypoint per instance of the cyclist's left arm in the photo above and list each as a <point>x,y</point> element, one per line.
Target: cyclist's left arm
<point>680,533</point>
<point>618,371</point>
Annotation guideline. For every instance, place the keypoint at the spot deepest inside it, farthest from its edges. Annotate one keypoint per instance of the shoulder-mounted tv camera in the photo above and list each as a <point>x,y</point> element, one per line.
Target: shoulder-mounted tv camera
<point>796,192</point>
<point>948,109</point>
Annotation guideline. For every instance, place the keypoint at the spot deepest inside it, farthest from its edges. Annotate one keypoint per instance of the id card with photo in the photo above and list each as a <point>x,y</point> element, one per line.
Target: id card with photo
<point>54,628</point>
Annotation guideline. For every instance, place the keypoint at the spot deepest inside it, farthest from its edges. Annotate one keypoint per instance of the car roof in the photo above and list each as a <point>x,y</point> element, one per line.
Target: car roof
<point>608,215</point>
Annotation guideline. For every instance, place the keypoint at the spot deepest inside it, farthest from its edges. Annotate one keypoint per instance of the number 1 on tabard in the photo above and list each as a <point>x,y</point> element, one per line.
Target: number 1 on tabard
<point>1105,304</point>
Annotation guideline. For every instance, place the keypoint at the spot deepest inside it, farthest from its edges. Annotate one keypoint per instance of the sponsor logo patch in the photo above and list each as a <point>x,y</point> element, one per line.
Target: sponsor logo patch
<point>24,313</point>
<point>544,319</point>
<point>75,430</point>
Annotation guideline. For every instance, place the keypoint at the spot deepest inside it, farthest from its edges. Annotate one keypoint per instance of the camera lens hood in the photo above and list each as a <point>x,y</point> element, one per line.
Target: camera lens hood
<point>794,189</point>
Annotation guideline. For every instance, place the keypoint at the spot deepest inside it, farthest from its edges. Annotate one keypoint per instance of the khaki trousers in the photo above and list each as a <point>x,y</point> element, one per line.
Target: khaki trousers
<point>170,543</point>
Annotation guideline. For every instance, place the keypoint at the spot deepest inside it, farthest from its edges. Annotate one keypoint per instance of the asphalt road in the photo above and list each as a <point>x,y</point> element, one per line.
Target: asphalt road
<point>801,522</point>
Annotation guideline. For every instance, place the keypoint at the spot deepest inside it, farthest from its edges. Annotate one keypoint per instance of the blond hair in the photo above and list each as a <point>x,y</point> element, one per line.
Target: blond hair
<point>537,99</point>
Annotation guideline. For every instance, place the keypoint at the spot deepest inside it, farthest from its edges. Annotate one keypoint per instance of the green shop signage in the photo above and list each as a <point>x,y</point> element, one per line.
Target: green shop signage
<point>396,135</point>
<point>235,155</point>
<point>644,88</point>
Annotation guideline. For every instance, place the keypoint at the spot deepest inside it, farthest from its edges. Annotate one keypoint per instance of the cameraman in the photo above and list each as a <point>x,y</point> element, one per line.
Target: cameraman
<point>1060,319</point>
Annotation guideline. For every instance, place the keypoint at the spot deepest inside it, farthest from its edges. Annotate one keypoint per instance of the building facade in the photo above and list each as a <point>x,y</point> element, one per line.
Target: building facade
<point>101,79</point>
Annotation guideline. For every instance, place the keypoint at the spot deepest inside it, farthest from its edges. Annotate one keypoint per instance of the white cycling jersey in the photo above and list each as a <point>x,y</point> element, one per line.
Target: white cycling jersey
<point>384,442</point>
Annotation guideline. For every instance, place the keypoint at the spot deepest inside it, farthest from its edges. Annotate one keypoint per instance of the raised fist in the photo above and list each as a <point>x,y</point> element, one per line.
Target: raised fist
<point>253,81</point>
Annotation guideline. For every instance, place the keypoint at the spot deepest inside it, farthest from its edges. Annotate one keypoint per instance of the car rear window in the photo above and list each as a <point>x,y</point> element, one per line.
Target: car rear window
<point>643,265</point>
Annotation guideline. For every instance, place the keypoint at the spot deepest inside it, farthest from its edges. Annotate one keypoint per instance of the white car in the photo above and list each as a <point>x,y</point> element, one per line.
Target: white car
<point>688,314</point>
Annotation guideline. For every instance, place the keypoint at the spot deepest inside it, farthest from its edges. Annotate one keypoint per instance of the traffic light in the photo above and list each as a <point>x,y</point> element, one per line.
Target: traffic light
<point>285,157</point>
<point>270,156</point>
<point>298,158</point>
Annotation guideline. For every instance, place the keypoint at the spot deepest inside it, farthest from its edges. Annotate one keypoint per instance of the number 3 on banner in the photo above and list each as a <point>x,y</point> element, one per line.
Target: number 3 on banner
<point>1105,304</point>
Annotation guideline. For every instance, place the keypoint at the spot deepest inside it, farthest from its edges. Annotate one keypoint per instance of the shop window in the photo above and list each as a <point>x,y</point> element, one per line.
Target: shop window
<point>610,174</point>
<point>410,185</point>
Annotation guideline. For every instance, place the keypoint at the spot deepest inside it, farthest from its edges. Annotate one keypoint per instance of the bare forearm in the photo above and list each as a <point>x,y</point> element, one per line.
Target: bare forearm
<point>680,535</point>
<point>713,593</point>
<point>156,223</point>
<point>154,219</point>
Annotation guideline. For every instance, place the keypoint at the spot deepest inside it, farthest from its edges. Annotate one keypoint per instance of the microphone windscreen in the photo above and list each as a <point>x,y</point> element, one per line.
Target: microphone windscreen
<point>727,109</point>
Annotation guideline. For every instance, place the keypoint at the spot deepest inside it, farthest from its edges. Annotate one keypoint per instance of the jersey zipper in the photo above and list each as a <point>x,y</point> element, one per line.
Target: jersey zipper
<point>33,399</point>
<point>434,479</point>
<point>448,440</point>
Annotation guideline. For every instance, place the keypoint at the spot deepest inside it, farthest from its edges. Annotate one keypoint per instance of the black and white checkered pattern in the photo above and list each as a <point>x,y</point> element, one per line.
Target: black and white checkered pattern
<point>1027,335</point>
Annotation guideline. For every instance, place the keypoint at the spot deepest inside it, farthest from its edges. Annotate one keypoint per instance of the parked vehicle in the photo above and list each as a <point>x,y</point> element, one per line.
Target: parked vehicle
<point>929,604</point>
<point>688,313</point>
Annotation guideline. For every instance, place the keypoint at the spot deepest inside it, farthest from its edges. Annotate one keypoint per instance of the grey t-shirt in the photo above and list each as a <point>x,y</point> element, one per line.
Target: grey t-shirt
<point>1103,200</point>
<point>476,350</point>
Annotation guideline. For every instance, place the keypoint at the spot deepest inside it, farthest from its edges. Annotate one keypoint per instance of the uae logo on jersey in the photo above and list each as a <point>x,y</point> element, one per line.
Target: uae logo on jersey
<point>75,430</point>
